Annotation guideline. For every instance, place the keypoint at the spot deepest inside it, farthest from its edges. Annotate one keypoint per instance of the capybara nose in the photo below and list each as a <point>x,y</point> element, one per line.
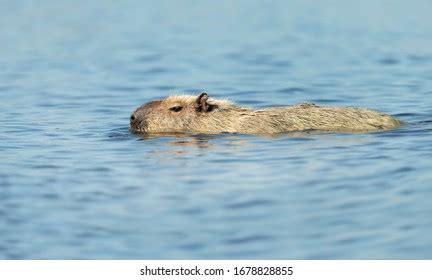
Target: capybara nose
<point>135,122</point>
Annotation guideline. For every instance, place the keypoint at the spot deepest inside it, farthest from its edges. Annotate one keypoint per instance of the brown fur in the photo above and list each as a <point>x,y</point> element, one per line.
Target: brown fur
<point>201,114</point>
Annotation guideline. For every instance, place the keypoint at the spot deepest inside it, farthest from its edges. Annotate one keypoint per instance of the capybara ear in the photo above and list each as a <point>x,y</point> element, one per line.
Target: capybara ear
<point>201,104</point>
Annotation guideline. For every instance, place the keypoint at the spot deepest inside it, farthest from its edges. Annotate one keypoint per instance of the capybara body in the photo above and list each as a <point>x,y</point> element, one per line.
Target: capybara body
<point>201,114</point>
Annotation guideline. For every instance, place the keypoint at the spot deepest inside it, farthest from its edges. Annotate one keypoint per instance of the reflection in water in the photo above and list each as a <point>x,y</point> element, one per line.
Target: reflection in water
<point>188,144</point>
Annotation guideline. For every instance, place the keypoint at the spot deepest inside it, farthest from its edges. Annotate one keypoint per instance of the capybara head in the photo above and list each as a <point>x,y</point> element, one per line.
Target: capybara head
<point>171,114</point>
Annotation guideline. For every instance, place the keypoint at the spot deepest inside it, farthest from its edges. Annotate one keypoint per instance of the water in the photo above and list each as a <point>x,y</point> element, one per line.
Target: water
<point>76,184</point>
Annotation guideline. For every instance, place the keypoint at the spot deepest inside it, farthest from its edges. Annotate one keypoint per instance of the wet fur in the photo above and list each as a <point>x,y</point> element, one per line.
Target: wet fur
<point>212,116</point>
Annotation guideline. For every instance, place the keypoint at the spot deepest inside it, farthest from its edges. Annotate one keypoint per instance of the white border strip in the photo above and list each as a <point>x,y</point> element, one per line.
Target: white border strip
<point>263,269</point>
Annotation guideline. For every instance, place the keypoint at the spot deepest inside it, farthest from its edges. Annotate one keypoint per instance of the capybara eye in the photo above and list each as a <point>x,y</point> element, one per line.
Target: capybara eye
<point>176,108</point>
<point>132,118</point>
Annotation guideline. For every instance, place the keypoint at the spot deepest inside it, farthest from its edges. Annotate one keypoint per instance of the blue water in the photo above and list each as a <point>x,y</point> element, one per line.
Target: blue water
<point>76,184</point>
